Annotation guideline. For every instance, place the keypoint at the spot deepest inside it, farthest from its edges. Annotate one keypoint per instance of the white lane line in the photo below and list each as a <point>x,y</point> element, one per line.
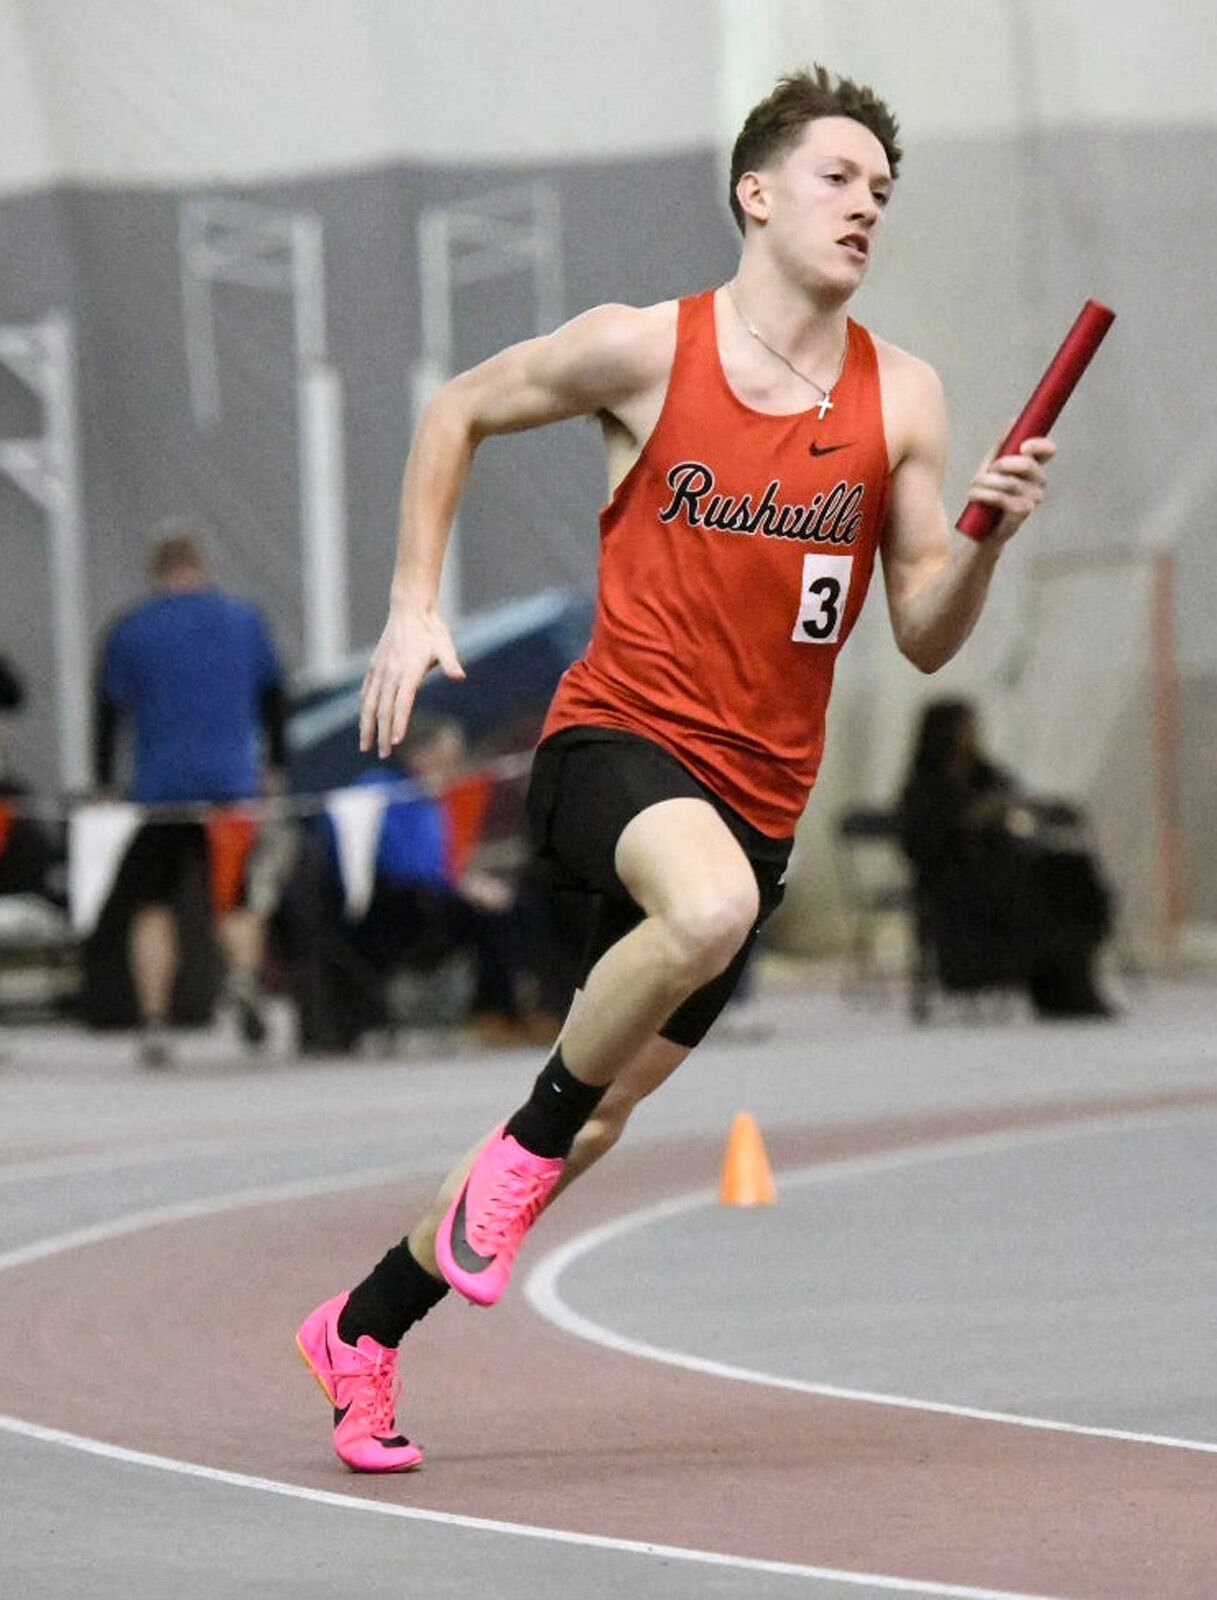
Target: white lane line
<point>542,1291</point>
<point>315,1187</point>
<point>88,1163</point>
<point>519,1530</point>
<point>137,1222</point>
<point>190,1210</point>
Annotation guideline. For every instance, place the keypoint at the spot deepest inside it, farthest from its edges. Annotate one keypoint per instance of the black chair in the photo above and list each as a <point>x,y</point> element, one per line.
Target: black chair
<point>876,886</point>
<point>985,993</point>
<point>961,955</point>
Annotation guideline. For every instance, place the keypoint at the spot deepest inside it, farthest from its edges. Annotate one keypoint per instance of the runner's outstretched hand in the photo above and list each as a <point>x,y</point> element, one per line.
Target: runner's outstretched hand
<point>412,641</point>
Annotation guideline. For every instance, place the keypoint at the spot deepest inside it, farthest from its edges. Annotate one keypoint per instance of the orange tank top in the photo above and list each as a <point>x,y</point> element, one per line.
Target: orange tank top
<point>735,556</point>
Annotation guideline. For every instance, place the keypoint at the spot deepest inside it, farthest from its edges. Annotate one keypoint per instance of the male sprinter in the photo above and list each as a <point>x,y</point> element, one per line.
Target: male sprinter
<point>762,448</point>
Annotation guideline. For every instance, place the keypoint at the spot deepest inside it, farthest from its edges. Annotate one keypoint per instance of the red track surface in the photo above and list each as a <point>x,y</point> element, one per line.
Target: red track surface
<point>178,1341</point>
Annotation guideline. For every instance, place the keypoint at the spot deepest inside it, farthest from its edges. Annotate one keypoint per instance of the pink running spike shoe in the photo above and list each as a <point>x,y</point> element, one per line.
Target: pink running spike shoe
<point>360,1381</point>
<point>477,1241</point>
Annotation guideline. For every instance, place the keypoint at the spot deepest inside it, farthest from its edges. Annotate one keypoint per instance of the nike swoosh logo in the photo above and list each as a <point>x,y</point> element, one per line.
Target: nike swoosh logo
<point>329,1375</point>
<point>466,1257</point>
<point>828,449</point>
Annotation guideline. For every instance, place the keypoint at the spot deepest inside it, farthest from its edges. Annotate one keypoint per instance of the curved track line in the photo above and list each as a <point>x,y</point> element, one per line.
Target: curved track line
<point>188,1210</point>
<point>143,1221</point>
<point>541,1286</point>
<point>164,1152</point>
<point>542,1294</point>
<point>520,1530</point>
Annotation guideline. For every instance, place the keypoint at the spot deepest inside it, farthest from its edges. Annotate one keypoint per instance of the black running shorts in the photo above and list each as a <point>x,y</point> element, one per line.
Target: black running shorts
<point>587,784</point>
<point>161,857</point>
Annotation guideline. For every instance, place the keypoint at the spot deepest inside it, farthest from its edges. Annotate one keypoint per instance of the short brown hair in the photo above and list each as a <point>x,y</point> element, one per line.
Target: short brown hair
<point>775,125</point>
<point>177,544</point>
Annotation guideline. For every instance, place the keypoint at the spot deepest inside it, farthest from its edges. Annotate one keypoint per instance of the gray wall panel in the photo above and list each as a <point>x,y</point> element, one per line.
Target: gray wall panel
<point>38,263</point>
<point>636,231</point>
<point>992,244</point>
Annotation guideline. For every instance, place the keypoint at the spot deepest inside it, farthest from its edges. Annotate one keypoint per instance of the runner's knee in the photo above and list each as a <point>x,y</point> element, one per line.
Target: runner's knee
<point>705,931</point>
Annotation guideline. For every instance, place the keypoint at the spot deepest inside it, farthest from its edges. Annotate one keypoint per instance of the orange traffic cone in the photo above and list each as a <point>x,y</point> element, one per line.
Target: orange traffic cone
<point>747,1180</point>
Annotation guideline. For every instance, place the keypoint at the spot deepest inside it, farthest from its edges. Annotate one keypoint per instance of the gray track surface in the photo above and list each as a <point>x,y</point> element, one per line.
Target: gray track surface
<point>1072,1277</point>
<point>163,1537</point>
<point>1065,1277</point>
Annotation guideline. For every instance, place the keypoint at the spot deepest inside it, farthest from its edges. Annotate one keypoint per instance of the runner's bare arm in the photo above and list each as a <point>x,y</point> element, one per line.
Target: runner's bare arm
<point>937,579</point>
<point>599,361</point>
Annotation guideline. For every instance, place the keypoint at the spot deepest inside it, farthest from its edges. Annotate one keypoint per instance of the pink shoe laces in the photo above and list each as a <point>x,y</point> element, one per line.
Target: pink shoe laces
<point>380,1402</point>
<point>511,1206</point>
<point>377,1387</point>
<point>376,1390</point>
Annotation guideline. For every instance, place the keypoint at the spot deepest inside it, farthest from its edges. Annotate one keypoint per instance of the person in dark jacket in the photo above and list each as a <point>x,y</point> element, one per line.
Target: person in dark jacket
<point>1007,892</point>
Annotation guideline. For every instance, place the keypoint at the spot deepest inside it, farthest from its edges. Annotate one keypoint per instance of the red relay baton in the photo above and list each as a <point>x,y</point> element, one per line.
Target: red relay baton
<point>1046,403</point>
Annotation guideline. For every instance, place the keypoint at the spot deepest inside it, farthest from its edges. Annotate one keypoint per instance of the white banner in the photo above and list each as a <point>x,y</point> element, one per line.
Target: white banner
<point>357,815</point>
<point>98,836</point>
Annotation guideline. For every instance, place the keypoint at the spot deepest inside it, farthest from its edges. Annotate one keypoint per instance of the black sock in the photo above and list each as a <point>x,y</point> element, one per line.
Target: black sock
<point>558,1107</point>
<point>395,1295</point>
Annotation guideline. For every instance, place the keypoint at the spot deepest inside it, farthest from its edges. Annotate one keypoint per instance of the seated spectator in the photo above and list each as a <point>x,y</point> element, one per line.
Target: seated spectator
<point>1003,898</point>
<point>28,857</point>
<point>427,904</point>
<point>193,672</point>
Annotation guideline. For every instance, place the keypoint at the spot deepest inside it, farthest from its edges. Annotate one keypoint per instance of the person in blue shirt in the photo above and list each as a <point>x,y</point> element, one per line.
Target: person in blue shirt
<point>193,674</point>
<point>414,845</point>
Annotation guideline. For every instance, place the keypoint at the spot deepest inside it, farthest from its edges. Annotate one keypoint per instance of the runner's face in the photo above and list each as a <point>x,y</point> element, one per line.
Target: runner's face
<point>825,201</point>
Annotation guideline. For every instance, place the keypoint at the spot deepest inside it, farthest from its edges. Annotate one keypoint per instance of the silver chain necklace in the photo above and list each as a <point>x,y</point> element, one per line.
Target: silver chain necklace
<point>825,405</point>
